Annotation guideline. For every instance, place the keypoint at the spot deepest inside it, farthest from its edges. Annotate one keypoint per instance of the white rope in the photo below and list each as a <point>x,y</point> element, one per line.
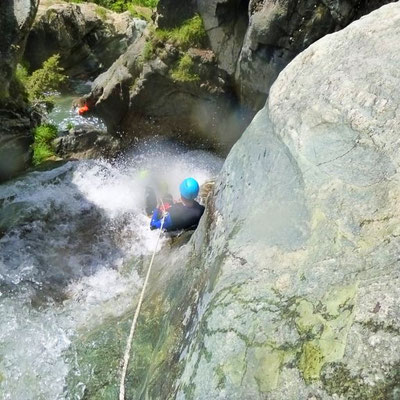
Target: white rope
<point>133,326</point>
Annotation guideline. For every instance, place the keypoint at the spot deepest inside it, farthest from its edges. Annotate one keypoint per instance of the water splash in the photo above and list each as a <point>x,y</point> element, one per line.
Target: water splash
<point>68,235</point>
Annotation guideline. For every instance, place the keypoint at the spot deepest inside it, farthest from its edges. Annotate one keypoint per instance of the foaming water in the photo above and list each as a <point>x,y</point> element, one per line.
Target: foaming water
<point>67,239</point>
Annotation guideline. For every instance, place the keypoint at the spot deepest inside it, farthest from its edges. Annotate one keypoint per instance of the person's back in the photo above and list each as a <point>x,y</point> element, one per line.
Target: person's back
<point>185,215</point>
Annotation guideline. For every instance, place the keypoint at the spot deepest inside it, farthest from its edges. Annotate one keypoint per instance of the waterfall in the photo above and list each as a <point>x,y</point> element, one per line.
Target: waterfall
<point>70,240</point>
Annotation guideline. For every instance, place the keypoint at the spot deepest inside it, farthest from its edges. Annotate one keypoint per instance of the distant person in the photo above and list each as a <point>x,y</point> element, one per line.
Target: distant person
<point>183,215</point>
<point>80,105</point>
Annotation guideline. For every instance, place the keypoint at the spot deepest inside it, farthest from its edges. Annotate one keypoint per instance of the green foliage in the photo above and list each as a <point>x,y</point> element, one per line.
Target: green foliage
<point>22,75</point>
<point>122,5</point>
<point>183,72</point>
<point>41,153</point>
<point>140,12</point>
<point>43,136</point>
<point>70,126</point>
<point>101,12</point>
<point>145,3</point>
<point>190,34</point>
<point>148,51</point>
<point>45,80</point>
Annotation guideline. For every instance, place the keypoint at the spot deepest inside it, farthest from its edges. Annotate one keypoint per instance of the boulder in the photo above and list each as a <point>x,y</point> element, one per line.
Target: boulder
<point>84,143</point>
<point>301,242</point>
<point>290,287</point>
<point>89,38</point>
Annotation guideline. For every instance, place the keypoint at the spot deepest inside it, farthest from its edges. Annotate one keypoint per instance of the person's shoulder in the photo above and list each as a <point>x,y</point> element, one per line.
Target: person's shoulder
<point>198,205</point>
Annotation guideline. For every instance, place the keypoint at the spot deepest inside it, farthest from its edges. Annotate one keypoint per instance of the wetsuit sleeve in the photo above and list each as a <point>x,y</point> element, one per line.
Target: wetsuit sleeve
<point>156,221</point>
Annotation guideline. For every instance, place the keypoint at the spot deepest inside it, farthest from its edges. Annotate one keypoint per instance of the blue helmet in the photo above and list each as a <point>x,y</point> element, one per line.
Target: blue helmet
<point>189,188</point>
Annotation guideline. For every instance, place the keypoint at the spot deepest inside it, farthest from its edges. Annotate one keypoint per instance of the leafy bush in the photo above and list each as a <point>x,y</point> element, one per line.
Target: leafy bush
<point>43,136</point>
<point>22,75</point>
<point>41,153</point>
<point>145,3</point>
<point>190,34</point>
<point>183,72</point>
<point>45,80</point>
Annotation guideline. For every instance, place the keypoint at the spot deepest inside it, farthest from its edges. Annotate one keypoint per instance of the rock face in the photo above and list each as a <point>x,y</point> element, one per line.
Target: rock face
<point>278,31</point>
<point>138,98</point>
<point>167,15</point>
<point>88,37</point>
<point>16,120</point>
<point>304,237</point>
<point>17,123</point>
<point>16,18</point>
<point>254,40</point>
<point>290,287</point>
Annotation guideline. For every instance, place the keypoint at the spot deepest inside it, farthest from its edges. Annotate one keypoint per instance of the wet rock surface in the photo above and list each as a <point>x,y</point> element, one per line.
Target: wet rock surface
<point>89,38</point>
<point>290,286</point>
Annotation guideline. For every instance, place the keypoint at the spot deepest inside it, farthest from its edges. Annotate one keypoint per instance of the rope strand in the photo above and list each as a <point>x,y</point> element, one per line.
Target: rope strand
<point>133,326</point>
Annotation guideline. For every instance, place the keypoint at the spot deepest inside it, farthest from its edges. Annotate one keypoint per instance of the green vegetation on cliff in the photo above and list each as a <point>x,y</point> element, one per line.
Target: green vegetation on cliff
<point>190,34</point>
<point>44,81</point>
<point>121,5</point>
<point>42,148</point>
<point>184,70</point>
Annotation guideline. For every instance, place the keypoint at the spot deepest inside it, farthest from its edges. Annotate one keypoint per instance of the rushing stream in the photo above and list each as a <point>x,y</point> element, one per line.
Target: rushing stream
<point>67,236</point>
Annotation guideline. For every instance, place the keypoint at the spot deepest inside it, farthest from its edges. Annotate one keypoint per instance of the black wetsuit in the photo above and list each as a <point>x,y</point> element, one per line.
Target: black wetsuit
<point>178,217</point>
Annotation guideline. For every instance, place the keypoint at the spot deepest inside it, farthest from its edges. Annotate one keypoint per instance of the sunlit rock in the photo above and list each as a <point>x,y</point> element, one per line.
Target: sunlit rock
<point>89,38</point>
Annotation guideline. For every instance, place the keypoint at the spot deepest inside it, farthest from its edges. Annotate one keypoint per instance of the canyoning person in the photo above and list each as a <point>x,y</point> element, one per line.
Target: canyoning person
<point>152,185</point>
<point>183,215</point>
<point>83,110</point>
<point>80,105</point>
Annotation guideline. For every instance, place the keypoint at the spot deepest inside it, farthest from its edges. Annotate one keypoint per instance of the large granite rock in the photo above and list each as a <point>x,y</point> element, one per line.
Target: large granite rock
<point>304,238</point>
<point>16,120</point>
<point>290,287</point>
<point>88,37</point>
